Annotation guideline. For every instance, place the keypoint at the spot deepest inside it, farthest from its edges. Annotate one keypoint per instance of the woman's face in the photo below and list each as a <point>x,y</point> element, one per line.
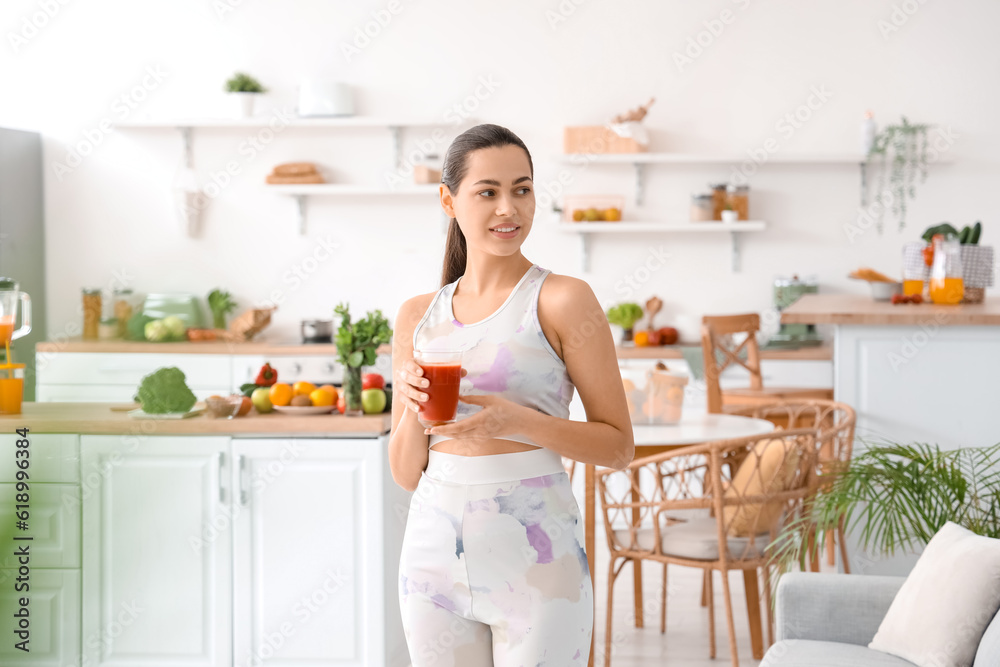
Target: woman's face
<point>496,194</point>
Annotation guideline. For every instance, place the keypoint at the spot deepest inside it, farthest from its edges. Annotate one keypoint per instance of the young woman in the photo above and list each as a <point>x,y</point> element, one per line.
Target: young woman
<point>493,569</point>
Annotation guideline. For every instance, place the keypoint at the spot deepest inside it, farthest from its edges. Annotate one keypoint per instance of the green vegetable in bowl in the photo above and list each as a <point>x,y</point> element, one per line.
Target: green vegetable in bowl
<point>164,390</point>
<point>625,315</point>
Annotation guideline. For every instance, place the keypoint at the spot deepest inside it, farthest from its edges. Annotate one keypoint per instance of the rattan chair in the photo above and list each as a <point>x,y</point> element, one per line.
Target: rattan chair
<point>715,506</point>
<point>718,340</point>
<point>835,422</point>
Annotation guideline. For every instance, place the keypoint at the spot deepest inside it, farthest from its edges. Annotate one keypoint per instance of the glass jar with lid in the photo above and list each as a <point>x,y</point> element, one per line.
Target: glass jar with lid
<point>91,313</point>
<point>125,303</point>
<point>738,198</point>
<point>718,199</point>
<point>701,207</point>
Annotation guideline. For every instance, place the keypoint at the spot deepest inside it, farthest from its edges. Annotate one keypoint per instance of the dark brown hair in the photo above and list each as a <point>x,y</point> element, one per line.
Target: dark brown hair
<point>456,165</point>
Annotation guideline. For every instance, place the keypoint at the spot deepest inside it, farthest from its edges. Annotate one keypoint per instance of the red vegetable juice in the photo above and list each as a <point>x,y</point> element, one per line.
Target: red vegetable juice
<point>442,392</point>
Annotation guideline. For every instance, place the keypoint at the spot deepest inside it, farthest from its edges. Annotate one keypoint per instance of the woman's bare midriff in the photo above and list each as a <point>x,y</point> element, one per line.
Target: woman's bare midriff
<point>461,447</point>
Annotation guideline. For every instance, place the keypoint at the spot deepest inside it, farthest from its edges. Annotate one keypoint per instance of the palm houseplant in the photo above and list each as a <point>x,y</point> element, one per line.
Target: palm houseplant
<point>895,497</point>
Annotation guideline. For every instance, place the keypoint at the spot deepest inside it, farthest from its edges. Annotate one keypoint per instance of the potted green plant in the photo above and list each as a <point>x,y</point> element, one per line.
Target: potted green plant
<point>625,315</point>
<point>357,346</point>
<point>901,150</point>
<point>897,497</point>
<point>244,89</point>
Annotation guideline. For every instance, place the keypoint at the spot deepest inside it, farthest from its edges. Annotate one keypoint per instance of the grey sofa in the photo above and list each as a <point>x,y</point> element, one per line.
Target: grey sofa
<point>827,620</point>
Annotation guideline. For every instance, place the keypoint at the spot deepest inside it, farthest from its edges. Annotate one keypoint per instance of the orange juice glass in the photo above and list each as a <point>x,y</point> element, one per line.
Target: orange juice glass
<point>11,388</point>
<point>913,286</point>
<point>947,290</point>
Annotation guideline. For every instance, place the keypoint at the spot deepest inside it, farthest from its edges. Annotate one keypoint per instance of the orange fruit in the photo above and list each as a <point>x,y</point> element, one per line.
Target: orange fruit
<point>280,394</point>
<point>303,388</point>
<point>330,388</point>
<point>322,397</point>
<point>641,338</point>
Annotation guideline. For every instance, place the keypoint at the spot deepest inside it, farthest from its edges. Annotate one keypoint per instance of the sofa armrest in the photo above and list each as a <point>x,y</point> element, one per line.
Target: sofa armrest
<point>844,608</point>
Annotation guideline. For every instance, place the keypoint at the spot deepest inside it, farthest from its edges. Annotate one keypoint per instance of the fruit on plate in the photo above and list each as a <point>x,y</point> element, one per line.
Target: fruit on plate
<point>301,401</point>
<point>612,214</point>
<point>372,381</point>
<point>262,400</point>
<point>322,397</point>
<point>303,388</point>
<point>668,335</point>
<point>372,401</point>
<point>330,388</point>
<point>281,394</point>
<point>341,403</point>
<point>244,406</point>
<point>266,377</point>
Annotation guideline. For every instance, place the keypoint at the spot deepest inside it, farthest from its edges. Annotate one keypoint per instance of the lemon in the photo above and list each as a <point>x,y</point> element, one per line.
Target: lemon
<point>321,397</point>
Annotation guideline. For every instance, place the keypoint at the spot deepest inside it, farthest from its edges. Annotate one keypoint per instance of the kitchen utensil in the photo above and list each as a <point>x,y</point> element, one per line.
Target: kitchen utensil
<point>785,292</point>
<point>653,306</point>
<point>317,331</point>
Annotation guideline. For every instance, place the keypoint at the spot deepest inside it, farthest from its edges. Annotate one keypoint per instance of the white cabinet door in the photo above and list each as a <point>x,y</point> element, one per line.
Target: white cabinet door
<point>157,562</point>
<point>308,580</point>
<point>54,616</point>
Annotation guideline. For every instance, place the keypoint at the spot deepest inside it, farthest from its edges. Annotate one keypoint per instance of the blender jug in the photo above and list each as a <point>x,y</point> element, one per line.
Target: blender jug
<point>9,298</point>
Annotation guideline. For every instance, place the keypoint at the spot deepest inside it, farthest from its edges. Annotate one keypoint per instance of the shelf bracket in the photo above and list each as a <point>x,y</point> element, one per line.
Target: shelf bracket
<point>735,239</point>
<point>397,146</point>
<point>640,182</point>
<point>300,206</point>
<point>584,252</point>
<point>188,152</point>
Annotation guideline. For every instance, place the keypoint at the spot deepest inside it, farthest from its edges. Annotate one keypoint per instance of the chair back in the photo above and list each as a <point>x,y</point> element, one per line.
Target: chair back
<point>717,341</point>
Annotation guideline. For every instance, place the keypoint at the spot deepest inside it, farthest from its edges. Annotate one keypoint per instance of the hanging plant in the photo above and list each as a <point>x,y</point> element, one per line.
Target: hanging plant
<point>900,150</point>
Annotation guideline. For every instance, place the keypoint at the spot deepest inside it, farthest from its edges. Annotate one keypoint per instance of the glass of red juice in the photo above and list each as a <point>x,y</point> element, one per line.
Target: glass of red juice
<point>443,370</point>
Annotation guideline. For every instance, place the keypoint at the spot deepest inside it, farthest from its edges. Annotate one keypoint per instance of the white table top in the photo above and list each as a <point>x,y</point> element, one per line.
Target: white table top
<point>697,428</point>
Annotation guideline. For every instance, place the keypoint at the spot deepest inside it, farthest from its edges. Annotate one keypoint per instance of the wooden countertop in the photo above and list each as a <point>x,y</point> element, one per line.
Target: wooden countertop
<point>277,348</point>
<point>261,347</point>
<point>854,309</point>
<point>98,418</point>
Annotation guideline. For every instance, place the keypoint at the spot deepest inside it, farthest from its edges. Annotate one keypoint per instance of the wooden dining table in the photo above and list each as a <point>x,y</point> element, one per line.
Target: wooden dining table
<point>693,429</point>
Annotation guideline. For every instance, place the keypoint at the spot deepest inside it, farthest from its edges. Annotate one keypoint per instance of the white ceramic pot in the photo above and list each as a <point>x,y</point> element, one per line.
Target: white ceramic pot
<point>243,103</point>
<point>729,216</point>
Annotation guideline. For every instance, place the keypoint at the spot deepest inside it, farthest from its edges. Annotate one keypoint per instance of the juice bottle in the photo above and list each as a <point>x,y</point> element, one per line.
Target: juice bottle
<point>946,284</point>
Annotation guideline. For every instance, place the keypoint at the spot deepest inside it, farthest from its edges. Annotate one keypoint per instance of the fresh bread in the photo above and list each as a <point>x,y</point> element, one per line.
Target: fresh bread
<point>294,169</point>
<point>289,180</point>
<point>871,275</point>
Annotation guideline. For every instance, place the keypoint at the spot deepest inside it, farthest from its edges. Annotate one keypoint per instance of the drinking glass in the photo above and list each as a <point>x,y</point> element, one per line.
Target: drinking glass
<point>443,370</point>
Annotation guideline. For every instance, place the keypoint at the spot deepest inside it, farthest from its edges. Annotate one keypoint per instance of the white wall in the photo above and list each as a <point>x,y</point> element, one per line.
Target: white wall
<point>554,64</point>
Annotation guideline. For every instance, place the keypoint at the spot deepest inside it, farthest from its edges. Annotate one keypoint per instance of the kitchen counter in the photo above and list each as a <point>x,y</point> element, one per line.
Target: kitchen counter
<point>261,347</point>
<point>854,309</point>
<point>813,353</point>
<point>98,418</point>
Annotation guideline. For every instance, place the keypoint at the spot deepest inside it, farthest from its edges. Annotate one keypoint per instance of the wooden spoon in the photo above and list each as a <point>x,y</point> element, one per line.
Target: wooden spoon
<point>653,306</point>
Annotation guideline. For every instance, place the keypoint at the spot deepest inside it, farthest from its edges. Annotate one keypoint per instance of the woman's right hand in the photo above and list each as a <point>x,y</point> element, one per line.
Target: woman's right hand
<point>414,385</point>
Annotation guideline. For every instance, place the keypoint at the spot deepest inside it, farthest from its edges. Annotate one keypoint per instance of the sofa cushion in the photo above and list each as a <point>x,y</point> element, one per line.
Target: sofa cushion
<point>768,468</point>
<point>806,653</point>
<point>942,609</point>
<point>988,653</point>
<point>697,539</point>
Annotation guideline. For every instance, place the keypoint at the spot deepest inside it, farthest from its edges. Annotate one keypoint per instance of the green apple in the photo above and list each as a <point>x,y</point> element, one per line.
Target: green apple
<point>261,399</point>
<point>372,401</point>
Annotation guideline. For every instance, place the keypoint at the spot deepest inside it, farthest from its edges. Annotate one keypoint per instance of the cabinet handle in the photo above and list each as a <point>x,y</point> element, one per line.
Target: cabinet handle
<point>330,367</point>
<point>222,489</point>
<point>242,467</point>
<point>297,369</point>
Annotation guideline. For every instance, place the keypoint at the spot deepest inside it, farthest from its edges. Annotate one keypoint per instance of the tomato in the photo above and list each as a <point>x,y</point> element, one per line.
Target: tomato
<point>372,381</point>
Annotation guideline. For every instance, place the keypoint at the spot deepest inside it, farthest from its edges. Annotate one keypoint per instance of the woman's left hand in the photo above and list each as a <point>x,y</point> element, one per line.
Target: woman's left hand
<point>497,419</point>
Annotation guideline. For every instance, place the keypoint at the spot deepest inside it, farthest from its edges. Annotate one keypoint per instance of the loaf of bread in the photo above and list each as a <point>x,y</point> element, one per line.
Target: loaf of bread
<point>289,180</point>
<point>294,169</point>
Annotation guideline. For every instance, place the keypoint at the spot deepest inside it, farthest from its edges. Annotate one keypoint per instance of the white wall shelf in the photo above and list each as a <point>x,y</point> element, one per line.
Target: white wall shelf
<point>640,161</point>
<point>734,229</point>
<point>301,192</point>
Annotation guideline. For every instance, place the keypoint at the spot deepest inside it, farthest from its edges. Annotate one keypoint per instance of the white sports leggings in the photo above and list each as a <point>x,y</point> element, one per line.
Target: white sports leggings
<point>493,570</point>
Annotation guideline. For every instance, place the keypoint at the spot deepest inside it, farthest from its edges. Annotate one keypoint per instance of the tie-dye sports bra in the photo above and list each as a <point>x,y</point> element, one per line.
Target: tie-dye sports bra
<point>506,353</point>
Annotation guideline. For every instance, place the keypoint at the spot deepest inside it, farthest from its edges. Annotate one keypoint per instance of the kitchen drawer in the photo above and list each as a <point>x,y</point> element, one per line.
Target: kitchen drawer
<point>92,368</point>
<point>54,458</point>
<point>55,620</point>
<point>53,523</point>
<point>318,369</point>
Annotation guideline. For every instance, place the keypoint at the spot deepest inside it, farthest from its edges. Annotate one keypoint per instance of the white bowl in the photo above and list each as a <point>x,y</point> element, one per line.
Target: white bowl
<point>882,291</point>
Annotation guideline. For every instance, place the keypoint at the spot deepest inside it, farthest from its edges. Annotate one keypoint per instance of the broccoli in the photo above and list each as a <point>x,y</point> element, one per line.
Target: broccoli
<point>164,390</point>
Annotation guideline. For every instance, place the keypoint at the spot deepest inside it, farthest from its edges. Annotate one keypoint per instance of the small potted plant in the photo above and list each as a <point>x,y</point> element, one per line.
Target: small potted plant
<point>728,214</point>
<point>625,315</point>
<point>244,89</point>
